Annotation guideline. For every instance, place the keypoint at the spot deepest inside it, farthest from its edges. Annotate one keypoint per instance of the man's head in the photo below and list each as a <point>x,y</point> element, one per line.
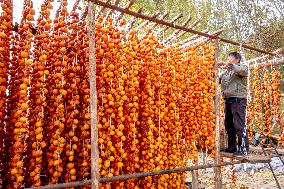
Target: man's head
<point>234,58</point>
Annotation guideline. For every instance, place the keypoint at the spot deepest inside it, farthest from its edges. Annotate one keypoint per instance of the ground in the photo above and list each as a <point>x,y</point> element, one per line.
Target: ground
<point>257,178</point>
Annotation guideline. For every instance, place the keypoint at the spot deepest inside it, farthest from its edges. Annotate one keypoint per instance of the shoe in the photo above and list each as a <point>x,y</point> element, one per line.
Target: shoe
<point>188,184</point>
<point>240,153</point>
<point>230,150</point>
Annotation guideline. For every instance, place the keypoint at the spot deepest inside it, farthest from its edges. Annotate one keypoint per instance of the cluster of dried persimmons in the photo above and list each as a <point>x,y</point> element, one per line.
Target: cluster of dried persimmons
<point>155,103</point>
<point>264,108</point>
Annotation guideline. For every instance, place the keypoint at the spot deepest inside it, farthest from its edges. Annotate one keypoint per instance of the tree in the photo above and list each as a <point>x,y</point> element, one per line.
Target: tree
<point>256,22</point>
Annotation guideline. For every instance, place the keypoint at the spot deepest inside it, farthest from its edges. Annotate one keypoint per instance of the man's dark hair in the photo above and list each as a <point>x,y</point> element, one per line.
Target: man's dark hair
<point>236,55</point>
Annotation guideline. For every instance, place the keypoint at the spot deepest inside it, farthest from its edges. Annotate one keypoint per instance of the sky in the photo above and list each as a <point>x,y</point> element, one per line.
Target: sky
<point>18,8</point>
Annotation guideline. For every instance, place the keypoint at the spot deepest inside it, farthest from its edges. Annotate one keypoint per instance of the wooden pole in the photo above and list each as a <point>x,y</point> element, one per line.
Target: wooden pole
<point>217,170</point>
<point>194,179</point>
<point>172,21</point>
<point>203,39</point>
<point>191,38</point>
<point>194,174</point>
<point>93,98</point>
<point>165,23</point>
<point>175,34</point>
<point>144,24</point>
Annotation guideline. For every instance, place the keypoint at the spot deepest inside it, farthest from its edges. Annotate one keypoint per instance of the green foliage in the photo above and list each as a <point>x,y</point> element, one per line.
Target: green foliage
<point>258,23</point>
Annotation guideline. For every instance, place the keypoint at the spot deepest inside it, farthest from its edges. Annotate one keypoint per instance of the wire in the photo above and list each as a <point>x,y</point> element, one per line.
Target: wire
<point>243,53</point>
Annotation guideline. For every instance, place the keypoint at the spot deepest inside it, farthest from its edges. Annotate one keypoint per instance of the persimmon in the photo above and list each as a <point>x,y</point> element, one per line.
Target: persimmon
<point>14,171</point>
<point>24,54</point>
<point>154,102</point>
<point>20,179</point>
<point>3,35</point>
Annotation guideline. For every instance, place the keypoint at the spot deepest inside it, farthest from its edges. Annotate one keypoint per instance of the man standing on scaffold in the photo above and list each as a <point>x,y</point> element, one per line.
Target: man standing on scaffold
<point>234,91</point>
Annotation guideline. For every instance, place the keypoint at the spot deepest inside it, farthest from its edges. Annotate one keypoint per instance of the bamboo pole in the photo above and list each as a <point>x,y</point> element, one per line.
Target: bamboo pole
<point>162,22</point>
<point>93,99</point>
<point>217,170</point>
<point>146,174</point>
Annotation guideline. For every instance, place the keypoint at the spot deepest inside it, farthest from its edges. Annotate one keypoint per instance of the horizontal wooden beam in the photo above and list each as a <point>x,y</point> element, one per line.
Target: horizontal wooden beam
<point>162,22</point>
<point>249,158</point>
<point>145,174</point>
<point>259,149</point>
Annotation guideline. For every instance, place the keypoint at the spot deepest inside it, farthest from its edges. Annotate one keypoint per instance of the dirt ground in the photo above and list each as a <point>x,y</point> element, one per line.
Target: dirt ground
<point>258,180</point>
<point>253,179</point>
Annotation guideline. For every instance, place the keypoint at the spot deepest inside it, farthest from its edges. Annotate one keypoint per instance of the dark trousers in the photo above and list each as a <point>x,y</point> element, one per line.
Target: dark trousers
<point>235,123</point>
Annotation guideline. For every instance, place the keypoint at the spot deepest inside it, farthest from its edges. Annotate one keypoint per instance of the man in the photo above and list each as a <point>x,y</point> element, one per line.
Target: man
<point>234,90</point>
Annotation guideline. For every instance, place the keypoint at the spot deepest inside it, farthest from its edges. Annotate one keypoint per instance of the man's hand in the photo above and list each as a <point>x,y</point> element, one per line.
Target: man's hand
<point>224,64</point>
<point>221,64</point>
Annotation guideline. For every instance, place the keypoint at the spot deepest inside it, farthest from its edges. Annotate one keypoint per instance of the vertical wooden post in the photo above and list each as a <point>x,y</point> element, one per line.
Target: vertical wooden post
<point>195,182</point>
<point>93,98</point>
<point>194,179</point>
<point>217,170</point>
